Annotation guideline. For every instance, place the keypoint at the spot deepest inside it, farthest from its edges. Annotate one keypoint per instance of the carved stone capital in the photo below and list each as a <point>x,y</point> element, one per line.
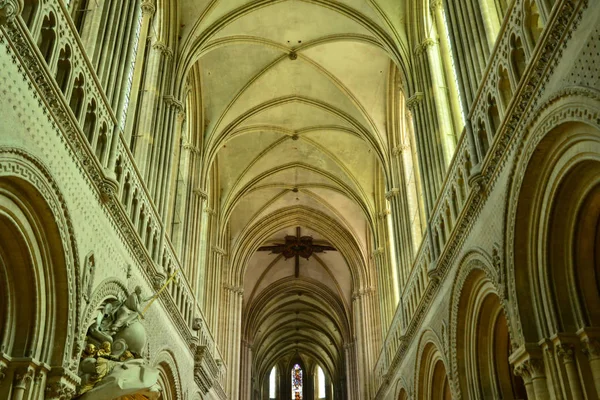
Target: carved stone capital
<point>393,192</point>
<point>234,289</point>
<point>414,100</point>
<point>435,5</point>
<point>148,8</point>
<point>201,193</point>
<point>425,44</point>
<point>378,252</point>
<point>566,353</point>
<point>398,150</point>
<point>3,368</point>
<point>163,48</point>
<point>591,348</point>
<point>173,102</point>
<point>22,377</point>
<point>9,10</point>
<point>220,251</point>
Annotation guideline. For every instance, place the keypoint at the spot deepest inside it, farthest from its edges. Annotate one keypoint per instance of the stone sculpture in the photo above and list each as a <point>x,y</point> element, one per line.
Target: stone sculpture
<point>112,363</point>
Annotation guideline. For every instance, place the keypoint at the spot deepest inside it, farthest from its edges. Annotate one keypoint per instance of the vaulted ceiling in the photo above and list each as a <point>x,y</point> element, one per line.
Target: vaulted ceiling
<point>295,114</point>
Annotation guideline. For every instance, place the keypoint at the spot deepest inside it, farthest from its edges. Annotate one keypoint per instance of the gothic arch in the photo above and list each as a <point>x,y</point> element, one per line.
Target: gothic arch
<point>38,256</point>
<point>480,332</point>
<point>545,220</point>
<point>169,379</point>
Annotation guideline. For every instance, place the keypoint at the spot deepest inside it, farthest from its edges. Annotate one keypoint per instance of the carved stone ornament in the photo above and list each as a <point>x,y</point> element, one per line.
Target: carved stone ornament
<point>59,390</point>
<point>9,10</point>
<point>197,324</point>
<point>591,348</point>
<point>89,270</point>
<point>112,363</point>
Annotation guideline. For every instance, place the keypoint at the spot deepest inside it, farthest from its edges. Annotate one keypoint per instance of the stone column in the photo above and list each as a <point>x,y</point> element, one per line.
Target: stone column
<point>246,379</point>
<point>21,379</point>
<point>528,363</point>
<point>231,326</point>
<point>148,10</point>
<point>352,385</point>
<point>591,348</point>
<point>566,353</point>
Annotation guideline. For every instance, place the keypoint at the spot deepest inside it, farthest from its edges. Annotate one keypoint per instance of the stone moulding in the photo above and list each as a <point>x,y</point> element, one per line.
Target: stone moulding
<point>206,369</point>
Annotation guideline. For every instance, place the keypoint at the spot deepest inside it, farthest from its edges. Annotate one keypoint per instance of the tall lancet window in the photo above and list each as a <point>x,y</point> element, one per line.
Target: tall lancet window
<point>321,382</point>
<point>272,388</point>
<point>297,382</point>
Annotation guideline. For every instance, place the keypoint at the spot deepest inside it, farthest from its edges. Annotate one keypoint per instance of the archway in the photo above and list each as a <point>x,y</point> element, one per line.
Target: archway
<point>482,342</point>
<point>432,379</point>
<point>37,283</point>
<point>555,235</point>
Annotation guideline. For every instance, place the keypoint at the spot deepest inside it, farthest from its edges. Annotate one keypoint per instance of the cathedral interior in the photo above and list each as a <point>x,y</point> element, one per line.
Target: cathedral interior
<point>299,199</point>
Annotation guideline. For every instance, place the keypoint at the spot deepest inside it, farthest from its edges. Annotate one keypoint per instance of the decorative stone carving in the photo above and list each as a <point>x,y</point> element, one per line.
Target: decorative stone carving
<point>591,348</point>
<point>89,270</point>
<point>205,369</point>
<point>148,8</point>
<point>112,363</point>
<point>197,324</point>
<point>9,10</point>
<point>59,391</point>
<point>414,100</point>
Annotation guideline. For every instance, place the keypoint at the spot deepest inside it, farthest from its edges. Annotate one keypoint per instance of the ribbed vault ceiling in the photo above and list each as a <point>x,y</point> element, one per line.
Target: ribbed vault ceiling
<point>295,113</point>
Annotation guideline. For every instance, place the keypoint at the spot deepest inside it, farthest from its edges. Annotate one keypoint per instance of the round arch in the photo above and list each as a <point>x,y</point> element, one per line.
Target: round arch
<point>431,378</point>
<point>480,334</point>
<point>549,239</point>
<point>38,265</point>
<point>168,379</point>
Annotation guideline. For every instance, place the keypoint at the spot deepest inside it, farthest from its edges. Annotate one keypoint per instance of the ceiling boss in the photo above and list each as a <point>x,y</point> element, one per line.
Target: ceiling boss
<point>296,247</point>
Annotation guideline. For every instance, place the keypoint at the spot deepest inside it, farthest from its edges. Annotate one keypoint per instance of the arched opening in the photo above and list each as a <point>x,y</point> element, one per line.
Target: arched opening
<point>517,57</point>
<point>89,124</point>
<point>80,10</point>
<point>101,144</point>
<point>30,8</point>
<point>440,387</point>
<point>482,140</point>
<point>533,21</point>
<point>63,69</point>
<point>483,343</point>
<point>321,384</point>
<point>34,291</point>
<point>297,382</point>
<point>433,383</point>
<point>273,383</point>
<point>47,37</point>
<point>504,87</point>
<point>402,395</point>
<point>493,114</point>
<point>556,271</point>
<point>77,96</point>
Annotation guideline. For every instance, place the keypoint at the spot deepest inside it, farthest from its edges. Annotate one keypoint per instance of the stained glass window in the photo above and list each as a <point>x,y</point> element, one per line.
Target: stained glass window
<point>296,382</point>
